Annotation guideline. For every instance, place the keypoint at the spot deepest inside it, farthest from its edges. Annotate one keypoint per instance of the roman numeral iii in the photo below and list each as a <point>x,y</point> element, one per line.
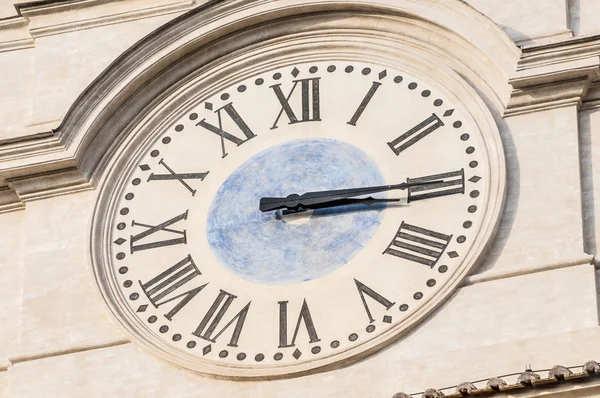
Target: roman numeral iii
<point>310,110</point>
<point>415,134</point>
<point>418,244</point>
<point>452,183</point>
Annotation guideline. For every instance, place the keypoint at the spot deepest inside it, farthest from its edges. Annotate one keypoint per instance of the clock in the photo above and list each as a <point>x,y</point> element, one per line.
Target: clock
<point>198,273</point>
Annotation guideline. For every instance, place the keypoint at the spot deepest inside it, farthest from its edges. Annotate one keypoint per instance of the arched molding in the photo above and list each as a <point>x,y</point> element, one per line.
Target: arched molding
<point>447,35</point>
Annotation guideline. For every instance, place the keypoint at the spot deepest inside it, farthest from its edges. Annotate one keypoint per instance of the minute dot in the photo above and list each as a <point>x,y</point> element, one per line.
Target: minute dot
<point>163,329</point>
<point>166,140</point>
<point>404,307</point>
<point>470,150</point>
<point>259,81</point>
<point>154,153</point>
<point>124,211</point>
<point>370,328</point>
<point>465,137</point>
<point>278,356</point>
<point>315,349</point>
<point>331,68</point>
<point>121,226</point>
<point>438,102</point>
<point>120,256</point>
<point>430,283</point>
<point>443,269</point>
<point>425,93</point>
<point>313,69</point>
<point>127,283</point>
<point>193,116</point>
<point>467,224</point>
<point>179,127</point>
<point>474,194</point>
<point>457,124</point>
<point>366,71</point>
<point>472,209</point>
<point>136,181</point>
<point>397,79</point>
<point>129,196</point>
<point>241,356</point>
<point>191,344</point>
<point>259,357</point>
<point>461,239</point>
<point>152,319</point>
<point>349,69</point>
<point>473,164</point>
<point>418,296</point>
<point>241,88</point>
<point>334,344</point>
<point>123,270</point>
<point>277,76</point>
<point>224,96</point>
<point>353,337</point>
<point>412,86</point>
<point>134,296</point>
<point>176,337</point>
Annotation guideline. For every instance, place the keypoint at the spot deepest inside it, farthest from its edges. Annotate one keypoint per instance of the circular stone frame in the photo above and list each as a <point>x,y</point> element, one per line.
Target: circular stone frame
<point>375,36</point>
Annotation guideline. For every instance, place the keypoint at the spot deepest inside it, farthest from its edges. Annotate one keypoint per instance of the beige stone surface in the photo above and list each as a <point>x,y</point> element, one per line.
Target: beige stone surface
<point>533,21</point>
<point>542,222</point>
<point>61,308</point>
<point>589,125</point>
<point>584,16</point>
<point>11,286</point>
<point>125,371</point>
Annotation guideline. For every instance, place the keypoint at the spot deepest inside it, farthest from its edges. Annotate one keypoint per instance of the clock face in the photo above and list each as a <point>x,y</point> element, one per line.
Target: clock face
<point>199,271</point>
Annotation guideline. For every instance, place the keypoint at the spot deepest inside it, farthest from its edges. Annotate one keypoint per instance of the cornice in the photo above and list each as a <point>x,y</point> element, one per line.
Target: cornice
<point>556,75</point>
<point>45,18</point>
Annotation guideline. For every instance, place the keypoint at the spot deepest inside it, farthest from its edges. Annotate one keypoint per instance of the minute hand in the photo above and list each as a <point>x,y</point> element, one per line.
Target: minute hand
<point>295,201</point>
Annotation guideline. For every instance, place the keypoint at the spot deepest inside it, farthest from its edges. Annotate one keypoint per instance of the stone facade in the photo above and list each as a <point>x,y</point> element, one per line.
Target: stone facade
<point>532,301</point>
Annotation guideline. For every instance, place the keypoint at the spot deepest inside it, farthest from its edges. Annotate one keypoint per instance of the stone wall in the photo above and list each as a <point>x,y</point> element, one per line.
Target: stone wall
<point>532,301</point>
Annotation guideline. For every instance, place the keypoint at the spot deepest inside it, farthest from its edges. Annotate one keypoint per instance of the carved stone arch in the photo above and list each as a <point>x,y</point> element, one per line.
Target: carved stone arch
<point>198,46</point>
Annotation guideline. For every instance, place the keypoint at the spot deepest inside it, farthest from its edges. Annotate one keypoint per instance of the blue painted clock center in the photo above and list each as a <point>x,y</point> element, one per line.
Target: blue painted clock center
<point>269,248</point>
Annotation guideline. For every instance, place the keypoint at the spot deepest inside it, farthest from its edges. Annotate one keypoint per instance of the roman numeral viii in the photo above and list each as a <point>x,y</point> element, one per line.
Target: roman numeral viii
<point>418,244</point>
<point>176,237</point>
<point>309,92</point>
<point>415,134</point>
<point>219,130</point>
<point>165,287</point>
<point>451,183</point>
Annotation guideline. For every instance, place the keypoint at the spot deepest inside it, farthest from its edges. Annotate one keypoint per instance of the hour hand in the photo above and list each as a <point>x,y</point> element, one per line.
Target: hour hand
<point>325,198</point>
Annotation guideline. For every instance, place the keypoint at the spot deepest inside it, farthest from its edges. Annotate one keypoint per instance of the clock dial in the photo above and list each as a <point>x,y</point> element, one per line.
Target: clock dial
<point>207,275</point>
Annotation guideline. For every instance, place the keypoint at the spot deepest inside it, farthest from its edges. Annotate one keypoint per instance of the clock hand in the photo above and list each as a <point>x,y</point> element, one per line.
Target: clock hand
<point>347,202</point>
<point>295,201</point>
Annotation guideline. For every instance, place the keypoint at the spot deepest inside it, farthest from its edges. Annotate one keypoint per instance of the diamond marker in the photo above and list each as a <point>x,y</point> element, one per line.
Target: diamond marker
<point>142,308</point>
<point>297,353</point>
<point>474,178</point>
<point>453,254</point>
<point>144,167</point>
<point>295,72</point>
<point>387,319</point>
<point>208,106</point>
<point>382,74</point>
<point>449,112</point>
<point>120,241</point>
<point>206,349</point>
